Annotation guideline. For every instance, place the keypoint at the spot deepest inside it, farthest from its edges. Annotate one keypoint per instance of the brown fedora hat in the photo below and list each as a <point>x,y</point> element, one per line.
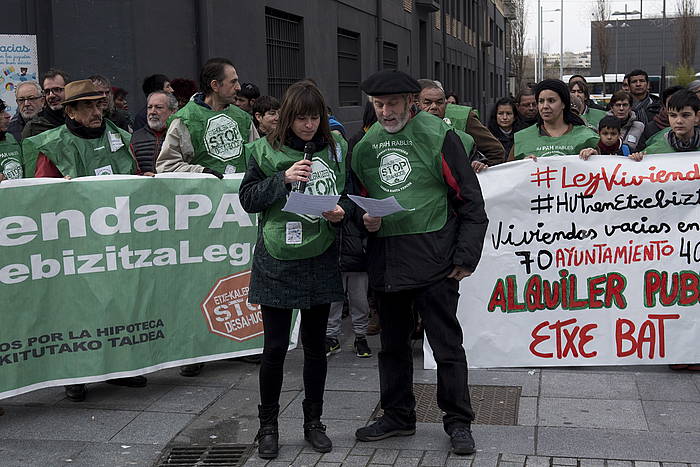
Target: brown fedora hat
<point>83,90</point>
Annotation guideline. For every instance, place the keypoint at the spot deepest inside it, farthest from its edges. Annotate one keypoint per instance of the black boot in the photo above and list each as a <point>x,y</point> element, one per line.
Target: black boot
<point>314,430</point>
<point>268,436</point>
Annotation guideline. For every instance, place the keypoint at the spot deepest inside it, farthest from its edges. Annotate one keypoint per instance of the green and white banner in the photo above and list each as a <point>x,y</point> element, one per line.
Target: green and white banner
<point>114,276</point>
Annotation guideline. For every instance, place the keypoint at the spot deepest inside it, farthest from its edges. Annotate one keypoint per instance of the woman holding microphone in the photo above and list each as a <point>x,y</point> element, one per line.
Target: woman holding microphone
<point>296,256</point>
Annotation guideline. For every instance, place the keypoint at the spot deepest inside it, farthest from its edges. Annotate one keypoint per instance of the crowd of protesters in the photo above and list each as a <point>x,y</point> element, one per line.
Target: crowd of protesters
<point>79,128</point>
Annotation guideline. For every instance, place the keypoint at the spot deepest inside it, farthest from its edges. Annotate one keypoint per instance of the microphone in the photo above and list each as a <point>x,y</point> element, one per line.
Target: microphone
<point>309,149</point>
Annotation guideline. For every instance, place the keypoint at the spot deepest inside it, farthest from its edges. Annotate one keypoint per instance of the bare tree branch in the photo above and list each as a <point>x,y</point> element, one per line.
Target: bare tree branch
<point>687,31</point>
<point>518,32</point>
<point>601,16</point>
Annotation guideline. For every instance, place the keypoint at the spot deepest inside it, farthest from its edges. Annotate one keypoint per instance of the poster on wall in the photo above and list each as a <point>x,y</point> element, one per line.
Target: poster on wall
<point>18,63</point>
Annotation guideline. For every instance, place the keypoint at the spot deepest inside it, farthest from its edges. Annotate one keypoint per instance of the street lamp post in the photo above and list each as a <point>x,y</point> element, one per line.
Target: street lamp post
<point>561,39</point>
<point>540,63</point>
<point>624,25</point>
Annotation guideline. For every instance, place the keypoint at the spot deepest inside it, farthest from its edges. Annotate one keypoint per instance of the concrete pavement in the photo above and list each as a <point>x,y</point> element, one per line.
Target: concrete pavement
<point>643,416</point>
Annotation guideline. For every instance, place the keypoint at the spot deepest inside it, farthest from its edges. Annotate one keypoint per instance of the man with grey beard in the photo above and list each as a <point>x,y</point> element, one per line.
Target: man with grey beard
<point>146,142</point>
<point>30,101</point>
<point>416,258</point>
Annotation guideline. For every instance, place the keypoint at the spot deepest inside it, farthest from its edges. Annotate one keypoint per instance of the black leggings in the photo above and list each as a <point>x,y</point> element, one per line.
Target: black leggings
<point>277,322</point>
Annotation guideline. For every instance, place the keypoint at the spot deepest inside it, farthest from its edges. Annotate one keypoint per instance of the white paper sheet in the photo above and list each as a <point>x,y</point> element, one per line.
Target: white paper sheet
<point>313,205</point>
<point>378,207</point>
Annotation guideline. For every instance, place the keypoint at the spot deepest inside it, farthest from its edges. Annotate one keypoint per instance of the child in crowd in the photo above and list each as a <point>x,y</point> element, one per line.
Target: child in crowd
<point>610,143</point>
<point>683,110</point>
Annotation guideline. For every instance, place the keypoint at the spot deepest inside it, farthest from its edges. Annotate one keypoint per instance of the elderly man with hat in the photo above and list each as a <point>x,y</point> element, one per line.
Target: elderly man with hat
<point>87,144</point>
<point>417,257</point>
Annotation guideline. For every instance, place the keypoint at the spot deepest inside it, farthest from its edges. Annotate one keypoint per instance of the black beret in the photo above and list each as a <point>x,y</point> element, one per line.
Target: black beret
<point>387,82</point>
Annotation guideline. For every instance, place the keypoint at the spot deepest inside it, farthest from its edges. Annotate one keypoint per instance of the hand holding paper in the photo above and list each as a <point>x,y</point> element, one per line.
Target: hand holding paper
<point>378,207</point>
<point>312,205</point>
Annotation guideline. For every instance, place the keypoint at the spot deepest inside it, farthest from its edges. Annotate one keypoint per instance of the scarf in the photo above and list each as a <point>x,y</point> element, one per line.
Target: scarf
<point>684,146</point>
<point>84,132</point>
<point>55,117</point>
<point>609,150</point>
<point>293,141</point>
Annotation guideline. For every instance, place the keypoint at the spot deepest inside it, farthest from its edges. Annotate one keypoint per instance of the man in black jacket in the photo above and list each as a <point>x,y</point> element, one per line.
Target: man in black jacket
<point>417,257</point>
<point>146,142</point>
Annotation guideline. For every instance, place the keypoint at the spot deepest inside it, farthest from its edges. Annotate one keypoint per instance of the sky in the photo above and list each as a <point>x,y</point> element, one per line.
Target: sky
<point>577,18</point>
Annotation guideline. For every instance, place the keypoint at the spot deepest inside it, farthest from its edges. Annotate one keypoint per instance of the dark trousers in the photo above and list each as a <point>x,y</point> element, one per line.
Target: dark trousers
<point>437,305</point>
<point>277,323</point>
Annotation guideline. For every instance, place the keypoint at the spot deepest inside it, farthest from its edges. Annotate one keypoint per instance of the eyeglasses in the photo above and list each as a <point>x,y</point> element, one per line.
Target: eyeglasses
<point>56,91</point>
<point>22,100</point>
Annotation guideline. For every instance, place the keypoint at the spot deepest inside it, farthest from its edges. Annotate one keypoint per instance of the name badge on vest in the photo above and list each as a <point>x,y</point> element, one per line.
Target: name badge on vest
<point>293,233</point>
<point>106,170</point>
<point>230,169</point>
<point>115,141</point>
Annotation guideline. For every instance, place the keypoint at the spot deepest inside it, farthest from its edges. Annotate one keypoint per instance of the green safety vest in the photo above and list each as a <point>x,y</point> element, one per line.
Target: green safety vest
<point>656,136</point>
<point>10,158</point>
<point>661,145</point>
<point>529,141</point>
<point>407,165</point>
<point>80,157</point>
<point>467,141</point>
<point>457,116</point>
<point>217,136</point>
<point>312,235</point>
<point>593,116</point>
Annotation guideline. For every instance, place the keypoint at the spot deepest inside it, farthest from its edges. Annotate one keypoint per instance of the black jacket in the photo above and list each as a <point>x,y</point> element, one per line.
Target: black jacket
<point>47,119</point>
<point>353,236</point>
<point>16,126</point>
<point>404,262</point>
<point>146,144</point>
<point>506,139</point>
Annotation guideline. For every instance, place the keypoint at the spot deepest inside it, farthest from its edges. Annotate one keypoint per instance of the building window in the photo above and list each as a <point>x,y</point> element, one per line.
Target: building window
<point>284,36</point>
<point>349,68</point>
<point>408,5</point>
<point>391,56</point>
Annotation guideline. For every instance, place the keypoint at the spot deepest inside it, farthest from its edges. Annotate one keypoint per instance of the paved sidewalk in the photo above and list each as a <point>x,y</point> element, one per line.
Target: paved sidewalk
<point>586,417</point>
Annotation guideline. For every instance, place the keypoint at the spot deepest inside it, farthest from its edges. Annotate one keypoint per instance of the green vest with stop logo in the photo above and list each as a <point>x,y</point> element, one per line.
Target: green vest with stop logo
<point>408,166</point>
<point>457,116</point>
<point>76,157</point>
<point>217,136</point>
<point>312,235</point>
<point>10,158</point>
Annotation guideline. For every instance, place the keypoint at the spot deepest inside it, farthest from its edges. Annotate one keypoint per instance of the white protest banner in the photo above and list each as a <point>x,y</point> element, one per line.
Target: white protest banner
<point>586,263</point>
<point>18,63</point>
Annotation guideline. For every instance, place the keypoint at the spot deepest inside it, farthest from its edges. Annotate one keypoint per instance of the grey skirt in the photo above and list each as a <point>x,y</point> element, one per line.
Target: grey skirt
<point>299,283</point>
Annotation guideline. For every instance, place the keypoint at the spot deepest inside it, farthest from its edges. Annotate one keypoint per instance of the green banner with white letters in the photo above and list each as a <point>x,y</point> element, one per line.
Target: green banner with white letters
<point>115,276</point>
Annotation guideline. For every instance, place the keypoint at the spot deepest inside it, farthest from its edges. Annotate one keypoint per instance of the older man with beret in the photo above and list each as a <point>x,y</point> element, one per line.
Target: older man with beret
<point>417,257</point>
